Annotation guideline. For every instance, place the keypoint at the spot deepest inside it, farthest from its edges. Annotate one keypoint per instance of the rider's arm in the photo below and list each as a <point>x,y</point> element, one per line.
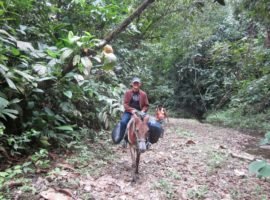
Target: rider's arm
<point>145,102</point>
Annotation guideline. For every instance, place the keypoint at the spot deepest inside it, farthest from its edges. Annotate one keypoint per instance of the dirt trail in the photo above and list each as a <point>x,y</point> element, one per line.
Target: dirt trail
<point>192,161</point>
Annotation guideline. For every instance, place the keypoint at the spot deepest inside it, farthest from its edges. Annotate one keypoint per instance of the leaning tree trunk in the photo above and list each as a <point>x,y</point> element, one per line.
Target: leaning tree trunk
<point>109,37</point>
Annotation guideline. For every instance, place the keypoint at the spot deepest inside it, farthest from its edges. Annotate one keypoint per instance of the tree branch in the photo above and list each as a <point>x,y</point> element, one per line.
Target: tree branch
<point>108,38</point>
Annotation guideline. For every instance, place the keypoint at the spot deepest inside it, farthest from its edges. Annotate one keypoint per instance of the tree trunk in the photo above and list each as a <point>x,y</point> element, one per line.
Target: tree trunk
<point>267,38</point>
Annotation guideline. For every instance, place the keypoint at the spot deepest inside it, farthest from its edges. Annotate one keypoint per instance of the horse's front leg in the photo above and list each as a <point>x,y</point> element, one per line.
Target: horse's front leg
<point>136,172</point>
<point>132,153</point>
<point>138,154</point>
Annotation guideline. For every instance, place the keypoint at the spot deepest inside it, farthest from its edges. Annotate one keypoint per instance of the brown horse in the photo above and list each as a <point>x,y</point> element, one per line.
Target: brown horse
<point>137,130</point>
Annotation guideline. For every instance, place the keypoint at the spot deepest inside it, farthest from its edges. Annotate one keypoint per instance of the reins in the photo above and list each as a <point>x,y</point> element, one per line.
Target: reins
<point>136,134</point>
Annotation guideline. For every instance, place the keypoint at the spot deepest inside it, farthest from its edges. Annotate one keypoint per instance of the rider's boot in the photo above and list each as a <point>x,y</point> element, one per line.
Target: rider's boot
<point>148,143</point>
<point>125,142</point>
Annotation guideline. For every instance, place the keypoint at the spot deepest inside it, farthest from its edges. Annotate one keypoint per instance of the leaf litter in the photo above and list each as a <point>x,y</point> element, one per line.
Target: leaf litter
<point>192,161</point>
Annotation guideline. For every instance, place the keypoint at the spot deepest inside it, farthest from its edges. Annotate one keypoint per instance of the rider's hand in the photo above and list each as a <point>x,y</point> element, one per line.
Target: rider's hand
<point>142,114</point>
<point>134,111</point>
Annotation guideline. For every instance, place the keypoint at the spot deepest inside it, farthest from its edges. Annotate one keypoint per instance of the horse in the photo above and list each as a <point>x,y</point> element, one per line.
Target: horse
<point>161,115</point>
<point>137,130</point>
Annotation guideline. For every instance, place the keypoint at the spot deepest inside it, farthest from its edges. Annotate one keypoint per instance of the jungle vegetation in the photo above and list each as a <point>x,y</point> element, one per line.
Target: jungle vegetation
<point>201,59</point>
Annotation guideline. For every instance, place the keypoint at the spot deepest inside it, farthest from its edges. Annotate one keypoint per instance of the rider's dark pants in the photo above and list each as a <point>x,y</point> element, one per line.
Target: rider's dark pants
<point>123,123</point>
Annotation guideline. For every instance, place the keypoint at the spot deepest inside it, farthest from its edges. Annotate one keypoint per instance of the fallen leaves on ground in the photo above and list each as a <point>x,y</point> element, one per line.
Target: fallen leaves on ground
<point>192,161</point>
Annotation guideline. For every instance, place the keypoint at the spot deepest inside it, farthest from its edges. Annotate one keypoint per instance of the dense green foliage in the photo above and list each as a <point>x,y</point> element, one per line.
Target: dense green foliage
<point>40,102</point>
<point>215,57</point>
<point>198,58</point>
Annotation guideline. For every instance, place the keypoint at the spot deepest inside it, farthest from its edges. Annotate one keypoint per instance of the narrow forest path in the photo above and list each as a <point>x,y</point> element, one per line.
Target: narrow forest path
<point>192,161</point>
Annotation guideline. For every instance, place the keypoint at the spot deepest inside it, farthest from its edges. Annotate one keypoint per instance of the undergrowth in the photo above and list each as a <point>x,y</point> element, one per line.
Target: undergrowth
<point>235,119</point>
<point>87,157</point>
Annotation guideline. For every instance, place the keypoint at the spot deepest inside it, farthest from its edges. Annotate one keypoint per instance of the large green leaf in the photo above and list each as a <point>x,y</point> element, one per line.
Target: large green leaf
<point>11,84</point>
<point>72,38</point>
<point>3,103</point>
<point>14,101</point>
<point>87,64</point>
<point>40,69</point>
<point>10,37</point>
<point>52,53</point>
<point>46,78</point>
<point>65,128</point>
<point>3,67</point>
<point>10,113</point>
<point>15,52</point>
<point>44,141</point>
<point>66,54</point>
<point>24,74</point>
<point>76,60</point>
<point>265,171</point>
<point>79,78</point>
<point>25,46</point>
<point>256,166</point>
<point>38,90</point>
<point>68,94</point>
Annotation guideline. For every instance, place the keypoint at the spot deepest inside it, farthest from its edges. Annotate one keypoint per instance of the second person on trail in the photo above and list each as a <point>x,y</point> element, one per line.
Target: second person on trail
<point>135,100</point>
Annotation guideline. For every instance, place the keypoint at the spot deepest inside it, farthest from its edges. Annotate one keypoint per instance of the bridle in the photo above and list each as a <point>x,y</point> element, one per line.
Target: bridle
<point>136,131</point>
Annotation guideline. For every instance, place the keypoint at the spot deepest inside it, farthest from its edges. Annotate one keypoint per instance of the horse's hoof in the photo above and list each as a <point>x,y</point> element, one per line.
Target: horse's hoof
<point>135,177</point>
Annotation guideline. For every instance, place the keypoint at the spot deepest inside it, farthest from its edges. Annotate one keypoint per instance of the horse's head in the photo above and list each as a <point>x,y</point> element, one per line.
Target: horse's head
<point>141,129</point>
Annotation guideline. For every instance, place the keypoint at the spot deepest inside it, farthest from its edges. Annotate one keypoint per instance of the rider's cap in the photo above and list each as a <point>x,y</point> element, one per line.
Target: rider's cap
<point>136,79</point>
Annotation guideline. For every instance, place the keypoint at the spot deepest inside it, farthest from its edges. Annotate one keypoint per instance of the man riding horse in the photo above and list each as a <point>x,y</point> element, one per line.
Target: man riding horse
<point>135,100</point>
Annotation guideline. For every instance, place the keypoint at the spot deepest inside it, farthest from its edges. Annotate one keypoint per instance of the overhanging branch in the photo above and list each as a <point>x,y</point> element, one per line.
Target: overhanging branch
<point>110,36</point>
